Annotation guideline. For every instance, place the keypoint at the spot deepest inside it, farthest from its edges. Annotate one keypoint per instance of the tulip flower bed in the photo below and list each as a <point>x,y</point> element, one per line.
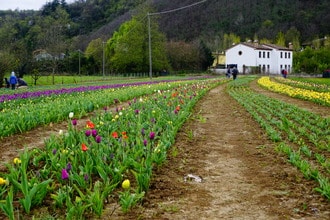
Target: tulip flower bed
<point>78,170</point>
<point>32,109</point>
<point>322,98</point>
<point>317,87</point>
<point>302,136</point>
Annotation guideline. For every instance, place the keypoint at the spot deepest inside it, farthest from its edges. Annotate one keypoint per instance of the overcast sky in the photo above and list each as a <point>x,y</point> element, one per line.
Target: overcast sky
<point>25,4</point>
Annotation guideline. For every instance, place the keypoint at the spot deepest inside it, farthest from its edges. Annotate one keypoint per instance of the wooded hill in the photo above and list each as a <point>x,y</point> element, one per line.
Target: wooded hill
<point>208,25</point>
<point>209,20</point>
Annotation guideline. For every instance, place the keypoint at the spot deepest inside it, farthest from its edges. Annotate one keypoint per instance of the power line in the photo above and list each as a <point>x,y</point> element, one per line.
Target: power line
<point>149,32</point>
<point>177,9</point>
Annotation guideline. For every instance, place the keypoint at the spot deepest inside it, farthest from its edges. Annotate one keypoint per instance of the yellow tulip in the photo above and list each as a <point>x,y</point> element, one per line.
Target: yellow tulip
<point>17,161</point>
<point>126,184</point>
<point>2,181</point>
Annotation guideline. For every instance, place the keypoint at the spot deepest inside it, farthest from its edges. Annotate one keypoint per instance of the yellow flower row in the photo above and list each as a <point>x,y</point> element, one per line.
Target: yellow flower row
<point>301,83</point>
<point>319,97</point>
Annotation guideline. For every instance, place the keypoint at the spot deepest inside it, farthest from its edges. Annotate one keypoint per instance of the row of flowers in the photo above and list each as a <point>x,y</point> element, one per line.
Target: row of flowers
<point>302,136</point>
<point>39,92</point>
<point>318,87</point>
<point>30,113</point>
<point>322,98</point>
<point>79,169</point>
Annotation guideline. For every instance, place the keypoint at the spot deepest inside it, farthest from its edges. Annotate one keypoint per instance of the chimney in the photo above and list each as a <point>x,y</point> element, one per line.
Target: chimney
<point>255,43</point>
<point>290,46</point>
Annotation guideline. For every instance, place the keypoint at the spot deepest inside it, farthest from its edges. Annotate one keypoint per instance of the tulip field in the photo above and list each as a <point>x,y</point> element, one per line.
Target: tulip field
<point>302,136</point>
<point>111,158</point>
<point>79,169</point>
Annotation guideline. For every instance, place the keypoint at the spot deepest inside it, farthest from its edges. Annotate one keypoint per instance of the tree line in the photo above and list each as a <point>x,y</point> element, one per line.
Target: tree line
<point>78,36</point>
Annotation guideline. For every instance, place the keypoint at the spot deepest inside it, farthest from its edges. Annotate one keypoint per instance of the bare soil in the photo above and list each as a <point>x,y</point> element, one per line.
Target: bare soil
<point>242,175</point>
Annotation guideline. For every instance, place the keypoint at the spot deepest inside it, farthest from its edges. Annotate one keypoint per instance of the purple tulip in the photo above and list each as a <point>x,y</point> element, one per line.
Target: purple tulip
<point>86,177</point>
<point>137,111</point>
<point>152,135</point>
<point>98,139</point>
<point>142,132</point>
<point>68,167</point>
<point>65,174</point>
<point>94,133</point>
<point>74,122</point>
<point>88,133</point>
<point>54,151</point>
<point>145,142</point>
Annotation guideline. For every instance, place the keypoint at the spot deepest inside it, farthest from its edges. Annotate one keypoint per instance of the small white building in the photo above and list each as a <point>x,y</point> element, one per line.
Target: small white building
<point>263,58</point>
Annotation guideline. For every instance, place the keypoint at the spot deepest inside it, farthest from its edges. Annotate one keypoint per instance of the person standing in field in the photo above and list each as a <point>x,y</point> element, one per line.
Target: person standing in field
<point>235,72</point>
<point>228,72</point>
<point>284,73</point>
<point>7,83</point>
<point>13,80</point>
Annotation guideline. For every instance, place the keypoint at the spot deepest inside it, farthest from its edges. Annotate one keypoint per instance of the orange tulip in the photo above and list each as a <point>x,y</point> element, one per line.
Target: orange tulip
<point>114,134</point>
<point>90,124</point>
<point>84,147</point>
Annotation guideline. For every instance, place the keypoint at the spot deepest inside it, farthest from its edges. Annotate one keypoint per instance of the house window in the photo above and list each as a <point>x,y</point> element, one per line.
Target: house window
<point>259,54</point>
<point>240,52</point>
<point>264,54</point>
<point>268,68</point>
<point>268,55</point>
<point>289,55</point>
<point>281,54</point>
<point>285,54</point>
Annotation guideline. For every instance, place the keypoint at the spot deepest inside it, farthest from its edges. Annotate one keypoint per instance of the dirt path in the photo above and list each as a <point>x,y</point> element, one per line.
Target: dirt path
<point>243,177</point>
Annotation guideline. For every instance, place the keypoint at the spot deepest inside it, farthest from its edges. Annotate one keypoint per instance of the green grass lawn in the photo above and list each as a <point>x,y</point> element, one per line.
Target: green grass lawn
<point>325,81</point>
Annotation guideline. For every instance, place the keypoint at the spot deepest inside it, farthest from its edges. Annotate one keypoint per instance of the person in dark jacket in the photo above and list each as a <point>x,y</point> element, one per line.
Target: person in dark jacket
<point>7,83</point>
<point>13,80</point>
<point>235,73</point>
<point>228,72</point>
<point>21,83</point>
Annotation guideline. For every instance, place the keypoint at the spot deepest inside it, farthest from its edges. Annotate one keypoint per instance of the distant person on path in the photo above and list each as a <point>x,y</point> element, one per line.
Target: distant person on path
<point>284,73</point>
<point>21,83</point>
<point>7,83</point>
<point>235,73</point>
<point>13,80</point>
<point>228,72</point>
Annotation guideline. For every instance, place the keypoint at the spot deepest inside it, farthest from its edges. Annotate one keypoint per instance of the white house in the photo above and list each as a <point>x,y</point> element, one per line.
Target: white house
<point>266,58</point>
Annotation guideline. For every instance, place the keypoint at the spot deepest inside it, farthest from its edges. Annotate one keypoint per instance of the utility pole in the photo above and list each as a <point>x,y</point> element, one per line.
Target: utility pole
<point>103,59</point>
<point>150,53</point>
<point>79,61</point>
<point>149,27</point>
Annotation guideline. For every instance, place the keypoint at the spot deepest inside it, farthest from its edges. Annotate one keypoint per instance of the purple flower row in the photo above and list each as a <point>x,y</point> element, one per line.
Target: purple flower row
<point>26,95</point>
